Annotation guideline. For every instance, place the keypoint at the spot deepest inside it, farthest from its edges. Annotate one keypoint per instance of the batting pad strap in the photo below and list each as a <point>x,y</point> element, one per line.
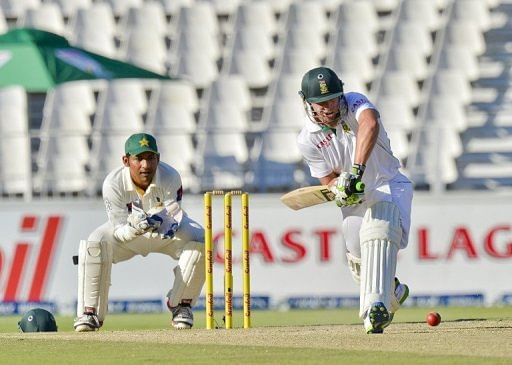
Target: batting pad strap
<point>381,221</point>
<point>189,275</point>
<point>354,264</point>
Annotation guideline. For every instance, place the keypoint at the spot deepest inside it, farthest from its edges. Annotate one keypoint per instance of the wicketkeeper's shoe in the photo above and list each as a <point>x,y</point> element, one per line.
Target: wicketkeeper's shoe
<point>87,322</point>
<point>376,318</point>
<point>182,316</point>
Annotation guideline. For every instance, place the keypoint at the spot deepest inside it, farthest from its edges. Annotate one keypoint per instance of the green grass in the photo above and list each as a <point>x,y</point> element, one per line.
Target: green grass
<point>130,339</point>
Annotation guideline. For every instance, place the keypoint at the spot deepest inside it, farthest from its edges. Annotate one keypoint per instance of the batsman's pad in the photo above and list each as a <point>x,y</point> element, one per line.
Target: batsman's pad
<point>380,236</point>
<point>94,266</point>
<point>189,275</point>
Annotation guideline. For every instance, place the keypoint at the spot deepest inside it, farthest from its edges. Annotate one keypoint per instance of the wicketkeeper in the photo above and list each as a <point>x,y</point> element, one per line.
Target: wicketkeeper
<point>346,147</point>
<point>142,199</point>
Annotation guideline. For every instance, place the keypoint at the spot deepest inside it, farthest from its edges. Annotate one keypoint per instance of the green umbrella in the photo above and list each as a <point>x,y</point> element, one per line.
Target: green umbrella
<point>39,60</point>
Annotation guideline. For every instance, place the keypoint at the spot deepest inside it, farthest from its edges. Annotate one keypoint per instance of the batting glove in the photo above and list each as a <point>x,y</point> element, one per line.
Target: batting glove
<point>349,188</point>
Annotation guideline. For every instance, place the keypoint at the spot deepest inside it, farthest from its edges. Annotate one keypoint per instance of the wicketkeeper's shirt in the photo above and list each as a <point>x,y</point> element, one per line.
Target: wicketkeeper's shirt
<point>119,192</point>
<point>327,150</point>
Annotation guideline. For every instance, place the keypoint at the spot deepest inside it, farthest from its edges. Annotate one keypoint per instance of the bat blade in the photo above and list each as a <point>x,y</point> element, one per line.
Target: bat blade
<point>308,197</point>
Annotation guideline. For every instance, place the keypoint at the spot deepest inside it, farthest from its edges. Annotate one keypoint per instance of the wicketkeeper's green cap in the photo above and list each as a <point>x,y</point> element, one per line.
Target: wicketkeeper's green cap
<point>38,320</point>
<point>139,143</point>
<point>320,84</point>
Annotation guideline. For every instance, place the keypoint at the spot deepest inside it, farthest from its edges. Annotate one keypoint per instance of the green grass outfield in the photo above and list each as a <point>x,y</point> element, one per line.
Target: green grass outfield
<point>468,335</point>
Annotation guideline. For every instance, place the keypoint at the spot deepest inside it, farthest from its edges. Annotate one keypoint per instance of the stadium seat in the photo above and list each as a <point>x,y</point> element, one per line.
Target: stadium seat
<point>224,145</point>
<point>16,8</point>
<point>13,121</point>
<point>423,12</point>
<point>466,34</point>
<point>150,16</point>
<point>45,17</point>
<point>287,87</point>
<point>13,96</point>
<point>475,11</point>
<point>66,119</point>
<point>172,7</point>
<point>199,15</point>
<point>231,89</point>
<point>70,7</point>
<point>400,83</point>
<point>97,42</point>
<point>414,35</point>
<point>452,83</point>
<point>3,22</point>
<point>178,151</point>
<point>117,118</point>
<point>365,41</point>
<point>252,67</point>
<point>352,81</point>
<point>77,93</point>
<point>171,118</point>
<point>385,6</point>
<point>409,59</point>
<point>287,115</point>
<point>256,14</point>
<point>279,163</point>
<point>225,117</point>
<point>297,61</point>
<point>179,92</point>
<point>98,18</point>
<point>145,49</point>
<point>358,12</point>
<point>120,7</point>
<point>225,7</point>
<point>62,145</point>
<point>15,165</point>
<point>304,39</point>
<point>194,67</point>
<point>252,38</point>
<point>224,155</point>
<point>65,175</point>
<point>196,40</point>
<point>128,92</point>
<point>456,57</point>
<point>309,16</point>
<point>395,113</point>
<point>352,60</point>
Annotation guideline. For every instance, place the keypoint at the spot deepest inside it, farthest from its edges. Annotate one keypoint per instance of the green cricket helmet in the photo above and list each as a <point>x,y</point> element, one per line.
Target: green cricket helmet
<point>38,320</point>
<point>320,84</point>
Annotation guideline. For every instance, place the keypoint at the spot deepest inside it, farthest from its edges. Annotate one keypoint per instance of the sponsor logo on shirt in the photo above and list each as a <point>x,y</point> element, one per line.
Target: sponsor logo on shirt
<point>357,104</point>
<point>325,142</point>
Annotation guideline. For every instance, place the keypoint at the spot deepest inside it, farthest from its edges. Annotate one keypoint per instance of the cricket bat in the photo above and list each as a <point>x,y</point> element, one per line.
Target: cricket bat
<point>308,196</point>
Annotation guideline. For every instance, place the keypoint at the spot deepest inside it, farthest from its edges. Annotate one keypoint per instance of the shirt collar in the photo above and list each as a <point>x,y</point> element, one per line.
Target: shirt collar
<point>130,186</point>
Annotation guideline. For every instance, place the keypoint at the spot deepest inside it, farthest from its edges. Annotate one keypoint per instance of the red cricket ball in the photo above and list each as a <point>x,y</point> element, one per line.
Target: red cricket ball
<point>433,319</point>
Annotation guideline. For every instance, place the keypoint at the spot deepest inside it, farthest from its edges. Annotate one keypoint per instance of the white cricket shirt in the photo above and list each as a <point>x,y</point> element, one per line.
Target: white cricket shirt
<point>326,151</point>
<point>119,192</point>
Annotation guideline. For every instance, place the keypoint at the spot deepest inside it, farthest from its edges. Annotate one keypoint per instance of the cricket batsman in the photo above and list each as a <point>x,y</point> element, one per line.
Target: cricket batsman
<point>346,147</point>
<point>142,199</point>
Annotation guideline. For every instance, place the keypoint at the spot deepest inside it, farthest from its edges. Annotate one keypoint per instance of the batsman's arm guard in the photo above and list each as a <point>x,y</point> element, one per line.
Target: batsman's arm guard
<point>380,237</point>
<point>94,267</point>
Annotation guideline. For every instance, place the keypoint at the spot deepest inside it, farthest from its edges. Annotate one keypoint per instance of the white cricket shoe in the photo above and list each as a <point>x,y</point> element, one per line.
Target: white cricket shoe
<point>182,316</point>
<point>401,291</point>
<point>87,322</point>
